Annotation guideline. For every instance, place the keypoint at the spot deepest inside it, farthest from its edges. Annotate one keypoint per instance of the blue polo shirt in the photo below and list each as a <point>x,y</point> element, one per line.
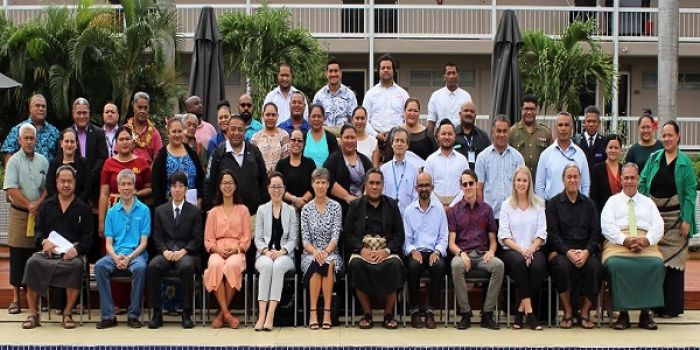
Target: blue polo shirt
<point>125,228</point>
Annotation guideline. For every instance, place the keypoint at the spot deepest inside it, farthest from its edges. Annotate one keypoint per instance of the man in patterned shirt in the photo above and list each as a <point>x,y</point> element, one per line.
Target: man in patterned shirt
<point>46,134</point>
<point>337,99</point>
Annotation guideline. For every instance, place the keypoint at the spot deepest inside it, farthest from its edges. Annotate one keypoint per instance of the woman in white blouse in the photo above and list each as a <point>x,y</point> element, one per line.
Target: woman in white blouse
<point>521,232</point>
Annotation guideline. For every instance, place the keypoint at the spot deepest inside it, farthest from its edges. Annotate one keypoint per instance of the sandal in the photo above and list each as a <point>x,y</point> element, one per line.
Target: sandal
<point>67,322</point>
<point>14,308</point>
<point>218,322</point>
<point>586,323</point>
<point>567,323</point>
<point>390,322</point>
<point>233,322</point>
<point>326,325</point>
<point>31,322</point>
<point>313,325</point>
<point>518,323</point>
<point>533,322</point>
<point>366,322</point>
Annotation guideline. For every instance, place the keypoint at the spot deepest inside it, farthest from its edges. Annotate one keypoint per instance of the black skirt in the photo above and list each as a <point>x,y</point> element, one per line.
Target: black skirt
<point>376,279</point>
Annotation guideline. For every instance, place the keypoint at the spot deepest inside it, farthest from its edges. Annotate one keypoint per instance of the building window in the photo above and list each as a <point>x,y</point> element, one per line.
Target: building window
<point>686,80</point>
<point>649,80</point>
<point>434,77</point>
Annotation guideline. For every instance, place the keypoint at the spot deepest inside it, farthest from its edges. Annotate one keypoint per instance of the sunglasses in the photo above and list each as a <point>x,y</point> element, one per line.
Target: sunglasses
<point>297,140</point>
<point>468,184</point>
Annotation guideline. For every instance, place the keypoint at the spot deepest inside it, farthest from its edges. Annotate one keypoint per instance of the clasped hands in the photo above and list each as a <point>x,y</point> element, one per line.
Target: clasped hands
<point>47,250</point>
<point>417,256</point>
<point>174,255</point>
<point>226,252</point>
<point>274,254</point>
<point>374,256</point>
<point>636,244</point>
<point>578,257</point>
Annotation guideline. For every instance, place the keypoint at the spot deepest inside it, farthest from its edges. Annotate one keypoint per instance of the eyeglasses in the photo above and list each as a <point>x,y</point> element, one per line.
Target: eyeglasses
<point>276,187</point>
<point>246,105</point>
<point>467,184</point>
<point>297,140</point>
<point>227,183</point>
<point>423,186</point>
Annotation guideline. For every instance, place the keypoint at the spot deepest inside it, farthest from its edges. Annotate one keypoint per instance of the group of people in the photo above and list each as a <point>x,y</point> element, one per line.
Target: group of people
<point>340,188</point>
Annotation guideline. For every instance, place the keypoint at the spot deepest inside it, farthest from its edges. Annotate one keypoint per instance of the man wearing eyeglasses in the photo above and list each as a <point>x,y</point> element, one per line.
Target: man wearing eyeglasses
<point>245,110</point>
<point>472,240</point>
<point>552,161</point>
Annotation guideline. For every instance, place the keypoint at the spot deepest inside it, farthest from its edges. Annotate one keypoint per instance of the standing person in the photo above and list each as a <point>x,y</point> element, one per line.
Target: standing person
<point>495,166</point>
<point>70,217</point>
<point>68,156</point>
<point>91,147</point>
<point>205,131</point>
<point>282,94</point>
<point>528,136</point>
<point>470,139</point>
<point>424,248</point>
<point>446,102</point>
<point>556,157</point>
<point>400,174</point>
<point>272,141</point>
<point>46,134</point>
<point>319,143</point>
<point>366,144</point>
<point>472,240</point>
<point>110,127</point>
<point>245,110</point>
<point>190,122</point>
<point>337,99</point>
<point>227,236</point>
<point>25,175</point>
<point>420,139</point>
<point>669,180</point>
<point>590,140</point>
<point>634,266</point>
<point>374,238</point>
<point>276,229</point>
<point>296,120</point>
<point>147,139</point>
<point>647,144</point>
<point>177,236</point>
<point>522,232</point>
<point>347,168</point>
<point>446,165</point>
<point>384,101</point>
<point>223,115</point>
<point>126,230</point>
<point>606,177</point>
<point>321,222</point>
<point>573,239</point>
<point>297,169</point>
<point>176,156</point>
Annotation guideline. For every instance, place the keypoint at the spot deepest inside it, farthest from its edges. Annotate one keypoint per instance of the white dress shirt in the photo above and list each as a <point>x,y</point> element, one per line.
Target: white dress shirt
<point>445,104</point>
<point>614,219</point>
<point>384,107</point>
<point>283,112</point>
<point>446,172</point>
<point>522,226</point>
<point>238,156</point>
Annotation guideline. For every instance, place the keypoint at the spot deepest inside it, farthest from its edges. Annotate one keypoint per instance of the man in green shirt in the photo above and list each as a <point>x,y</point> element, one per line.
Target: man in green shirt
<point>529,137</point>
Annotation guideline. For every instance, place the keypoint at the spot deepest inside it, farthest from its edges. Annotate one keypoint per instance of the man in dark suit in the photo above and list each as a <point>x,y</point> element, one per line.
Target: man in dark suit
<point>91,142</point>
<point>591,141</point>
<point>177,236</point>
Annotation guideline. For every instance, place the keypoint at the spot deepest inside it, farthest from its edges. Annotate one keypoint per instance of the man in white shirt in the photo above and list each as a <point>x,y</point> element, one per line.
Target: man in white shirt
<point>385,101</point>
<point>445,102</point>
<point>446,165</point>
<point>632,226</point>
<point>281,95</point>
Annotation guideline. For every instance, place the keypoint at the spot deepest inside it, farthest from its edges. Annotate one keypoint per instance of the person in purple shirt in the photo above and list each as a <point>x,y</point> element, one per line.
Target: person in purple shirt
<point>472,240</point>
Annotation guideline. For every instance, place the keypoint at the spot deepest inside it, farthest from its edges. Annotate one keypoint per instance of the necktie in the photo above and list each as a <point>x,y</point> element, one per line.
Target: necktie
<point>177,216</point>
<point>632,218</point>
<point>590,142</point>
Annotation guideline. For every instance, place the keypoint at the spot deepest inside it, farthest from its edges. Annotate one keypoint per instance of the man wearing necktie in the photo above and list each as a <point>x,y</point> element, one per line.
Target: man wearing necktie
<point>177,236</point>
<point>591,140</point>
<point>632,226</point>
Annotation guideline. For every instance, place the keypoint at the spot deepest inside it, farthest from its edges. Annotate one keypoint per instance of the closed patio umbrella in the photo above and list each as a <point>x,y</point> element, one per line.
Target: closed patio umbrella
<point>505,76</point>
<point>207,75</point>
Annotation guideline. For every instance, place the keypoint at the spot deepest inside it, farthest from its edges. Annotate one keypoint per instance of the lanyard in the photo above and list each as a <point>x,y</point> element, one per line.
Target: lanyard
<point>397,184</point>
<point>469,140</point>
<point>564,155</point>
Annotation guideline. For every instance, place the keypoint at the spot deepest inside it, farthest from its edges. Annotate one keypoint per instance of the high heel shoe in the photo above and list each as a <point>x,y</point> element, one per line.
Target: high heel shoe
<point>533,322</point>
<point>518,323</point>
<point>326,325</point>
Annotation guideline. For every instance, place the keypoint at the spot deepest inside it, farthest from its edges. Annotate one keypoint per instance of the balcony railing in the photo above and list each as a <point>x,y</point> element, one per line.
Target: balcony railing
<point>454,22</point>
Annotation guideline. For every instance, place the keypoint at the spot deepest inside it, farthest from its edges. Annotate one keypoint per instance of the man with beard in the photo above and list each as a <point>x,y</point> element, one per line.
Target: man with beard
<point>385,101</point>
<point>445,103</point>
<point>245,110</point>
<point>281,96</point>
<point>205,131</point>
<point>529,137</point>
<point>446,165</point>
<point>470,139</point>
<point>297,107</point>
<point>425,247</point>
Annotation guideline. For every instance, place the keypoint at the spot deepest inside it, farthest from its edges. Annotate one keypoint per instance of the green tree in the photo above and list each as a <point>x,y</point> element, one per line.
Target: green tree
<point>557,70</point>
<point>256,44</point>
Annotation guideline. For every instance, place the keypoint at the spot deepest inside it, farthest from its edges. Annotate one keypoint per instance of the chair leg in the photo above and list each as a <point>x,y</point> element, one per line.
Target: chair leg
<point>346,301</point>
<point>245,300</point>
<point>549,301</point>
<point>403,297</point>
<point>303,292</point>
<point>296,298</point>
<point>204,305</point>
<point>454,306</point>
<point>447,309</point>
<point>507,302</point>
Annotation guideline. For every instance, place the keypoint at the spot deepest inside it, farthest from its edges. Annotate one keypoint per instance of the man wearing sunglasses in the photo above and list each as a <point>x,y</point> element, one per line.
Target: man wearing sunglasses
<point>245,110</point>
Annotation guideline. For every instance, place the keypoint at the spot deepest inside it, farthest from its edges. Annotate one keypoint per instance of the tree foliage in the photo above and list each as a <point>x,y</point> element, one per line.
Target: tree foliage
<point>256,44</point>
<point>557,70</point>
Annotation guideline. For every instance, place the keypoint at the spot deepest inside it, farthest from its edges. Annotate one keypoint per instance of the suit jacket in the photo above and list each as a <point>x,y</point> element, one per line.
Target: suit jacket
<point>187,234</point>
<point>95,156</point>
<point>600,187</point>
<point>595,154</point>
<point>354,228</point>
<point>263,228</point>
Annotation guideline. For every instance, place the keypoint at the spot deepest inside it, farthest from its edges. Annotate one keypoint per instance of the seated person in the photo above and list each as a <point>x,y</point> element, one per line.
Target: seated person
<point>177,237</point>
<point>47,268</point>
<point>374,237</point>
<point>425,247</point>
<point>275,238</point>
<point>573,228</point>
<point>127,227</point>
<point>632,226</point>
<point>472,240</point>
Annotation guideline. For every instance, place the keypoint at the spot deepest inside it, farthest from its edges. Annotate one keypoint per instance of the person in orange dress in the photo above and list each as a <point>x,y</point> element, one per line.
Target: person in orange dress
<point>227,237</point>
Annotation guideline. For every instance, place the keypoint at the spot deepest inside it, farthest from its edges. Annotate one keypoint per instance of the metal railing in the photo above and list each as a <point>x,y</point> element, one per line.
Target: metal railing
<point>454,22</point>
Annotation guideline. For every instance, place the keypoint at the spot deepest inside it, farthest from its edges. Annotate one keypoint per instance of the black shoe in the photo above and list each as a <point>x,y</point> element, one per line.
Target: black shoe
<point>465,322</point>
<point>646,321</point>
<point>104,324</point>
<point>133,323</point>
<point>187,320</point>
<point>489,321</point>
<point>156,320</point>
<point>623,321</point>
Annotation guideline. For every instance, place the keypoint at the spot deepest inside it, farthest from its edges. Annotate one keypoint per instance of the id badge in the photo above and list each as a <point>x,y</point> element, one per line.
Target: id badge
<point>471,157</point>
